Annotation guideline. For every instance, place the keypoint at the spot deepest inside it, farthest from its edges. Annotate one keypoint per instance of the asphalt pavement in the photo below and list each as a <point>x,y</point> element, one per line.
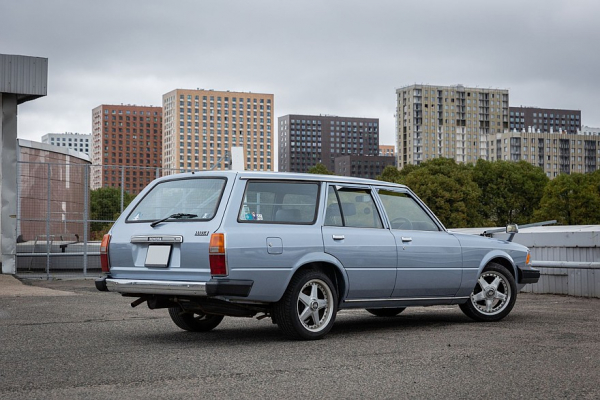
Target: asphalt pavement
<point>65,340</point>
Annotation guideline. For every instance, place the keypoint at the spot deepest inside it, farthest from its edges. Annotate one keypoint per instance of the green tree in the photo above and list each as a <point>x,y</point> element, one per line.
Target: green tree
<point>105,204</point>
<point>390,174</point>
<point>571,200</point>
<point>320,168</point>
<point>448,189</point>
<point>510,191</point>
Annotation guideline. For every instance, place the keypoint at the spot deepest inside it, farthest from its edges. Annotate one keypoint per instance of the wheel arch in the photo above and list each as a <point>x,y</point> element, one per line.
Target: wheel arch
<point>333,271</point>
<point>502,258</point>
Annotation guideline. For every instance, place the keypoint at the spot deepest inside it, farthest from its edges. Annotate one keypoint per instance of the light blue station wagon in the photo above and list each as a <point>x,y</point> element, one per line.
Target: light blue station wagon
<point>298,248</point>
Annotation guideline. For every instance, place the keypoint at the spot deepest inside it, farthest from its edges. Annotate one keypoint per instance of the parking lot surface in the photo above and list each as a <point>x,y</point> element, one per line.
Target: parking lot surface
<point>63,339</point>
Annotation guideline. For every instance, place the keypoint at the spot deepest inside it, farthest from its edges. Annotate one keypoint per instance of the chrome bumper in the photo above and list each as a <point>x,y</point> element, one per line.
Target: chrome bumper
<point>136,286</point>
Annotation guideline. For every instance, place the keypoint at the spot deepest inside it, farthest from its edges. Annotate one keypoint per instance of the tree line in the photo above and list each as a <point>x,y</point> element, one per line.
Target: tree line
<point>495,193</point>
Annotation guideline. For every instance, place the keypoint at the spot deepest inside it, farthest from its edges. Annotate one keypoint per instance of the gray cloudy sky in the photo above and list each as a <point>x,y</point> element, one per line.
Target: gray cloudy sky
<point>317,57</point>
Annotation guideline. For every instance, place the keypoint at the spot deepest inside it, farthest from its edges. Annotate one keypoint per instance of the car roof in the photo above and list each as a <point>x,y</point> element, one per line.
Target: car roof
<point>284,176</point>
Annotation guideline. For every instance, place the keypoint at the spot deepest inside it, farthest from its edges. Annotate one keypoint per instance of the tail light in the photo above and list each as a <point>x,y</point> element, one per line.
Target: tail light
<point>216,255</point>
<point>104,262</point>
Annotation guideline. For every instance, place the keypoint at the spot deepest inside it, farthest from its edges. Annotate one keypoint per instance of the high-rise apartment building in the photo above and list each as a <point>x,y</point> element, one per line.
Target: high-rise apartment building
<point>556,153</point>
<point>305,140</point>
<point>127,143</point>
<point>200,127</point>
<point>75,141</point>
<point>447,121</point>
<point>525,119</point>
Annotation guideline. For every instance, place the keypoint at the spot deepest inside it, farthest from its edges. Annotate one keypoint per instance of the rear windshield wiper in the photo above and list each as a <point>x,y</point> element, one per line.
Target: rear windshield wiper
<point>173,216</point>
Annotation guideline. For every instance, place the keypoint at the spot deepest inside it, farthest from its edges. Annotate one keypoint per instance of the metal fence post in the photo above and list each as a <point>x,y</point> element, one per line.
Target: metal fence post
<point>48,210</point>
<point>122,185</point>
<point>86,195</point>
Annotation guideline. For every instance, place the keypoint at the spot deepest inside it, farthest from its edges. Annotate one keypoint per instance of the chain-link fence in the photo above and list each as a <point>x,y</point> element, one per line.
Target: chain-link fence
<point>65,209</point>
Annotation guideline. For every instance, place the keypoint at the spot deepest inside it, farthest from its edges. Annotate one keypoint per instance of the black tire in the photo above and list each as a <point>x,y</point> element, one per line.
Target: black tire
<point>194,322</point>
<point>494,295</point>
<point>308,307</point>
<point>386,312</point>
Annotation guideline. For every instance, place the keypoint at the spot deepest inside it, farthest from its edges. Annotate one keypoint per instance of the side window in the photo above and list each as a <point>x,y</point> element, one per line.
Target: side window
<point>405,213</point>
<point>279,202</point>
<point>351,207</point>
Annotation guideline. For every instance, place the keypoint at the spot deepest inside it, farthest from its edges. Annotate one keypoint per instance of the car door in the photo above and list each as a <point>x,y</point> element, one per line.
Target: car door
<point>429,258</point>
<point>353,232</point>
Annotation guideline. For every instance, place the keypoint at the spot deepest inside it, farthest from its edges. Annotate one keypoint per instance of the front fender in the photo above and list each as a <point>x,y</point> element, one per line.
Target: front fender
<point>471,274</point>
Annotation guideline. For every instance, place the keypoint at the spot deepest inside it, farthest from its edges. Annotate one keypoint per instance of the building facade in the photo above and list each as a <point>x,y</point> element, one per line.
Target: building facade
<point>126,146</point>
<point>556,153</point>
<point>201,126</point>
<point>362,166</point>
<point>58,172</point>
<point>387,150</point>
<point>447,121</point>
<point>76,141</point>
<point>305,140</point>
<point>544,120</point>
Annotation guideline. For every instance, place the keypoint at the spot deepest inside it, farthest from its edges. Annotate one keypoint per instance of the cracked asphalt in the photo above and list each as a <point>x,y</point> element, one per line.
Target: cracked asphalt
<point>65,340</point>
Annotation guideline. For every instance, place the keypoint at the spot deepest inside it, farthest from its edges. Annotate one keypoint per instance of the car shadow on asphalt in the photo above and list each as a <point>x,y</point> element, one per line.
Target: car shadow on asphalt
<point>234,331</point>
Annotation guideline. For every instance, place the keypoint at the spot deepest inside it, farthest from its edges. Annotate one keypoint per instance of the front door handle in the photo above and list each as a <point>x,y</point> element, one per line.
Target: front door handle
<point>406,239</point>
<point>338,237</point>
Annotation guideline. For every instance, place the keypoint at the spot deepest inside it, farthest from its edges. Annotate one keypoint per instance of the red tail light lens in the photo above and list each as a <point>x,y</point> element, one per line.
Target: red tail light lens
<point>104,262</point>
<point>216,255</point>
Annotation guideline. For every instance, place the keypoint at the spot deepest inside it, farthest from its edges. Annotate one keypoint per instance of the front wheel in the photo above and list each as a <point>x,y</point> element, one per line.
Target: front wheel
<point>494,295</point>
<point>194,322</point>
<point>308,307</point>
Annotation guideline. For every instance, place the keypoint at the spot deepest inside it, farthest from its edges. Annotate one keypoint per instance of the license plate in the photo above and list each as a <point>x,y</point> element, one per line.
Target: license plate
<point>158,256</point>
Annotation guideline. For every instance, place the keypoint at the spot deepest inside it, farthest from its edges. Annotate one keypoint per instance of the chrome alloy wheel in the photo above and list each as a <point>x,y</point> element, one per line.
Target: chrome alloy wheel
<point>315,305</point>
<point>492,293</point>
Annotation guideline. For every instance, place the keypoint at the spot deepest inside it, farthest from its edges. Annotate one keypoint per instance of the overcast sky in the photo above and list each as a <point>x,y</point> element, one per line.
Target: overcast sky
<point>343,58</point>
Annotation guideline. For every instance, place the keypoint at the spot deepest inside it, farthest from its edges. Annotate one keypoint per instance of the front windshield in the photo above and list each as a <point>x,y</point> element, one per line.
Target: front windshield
<point>194,196</point>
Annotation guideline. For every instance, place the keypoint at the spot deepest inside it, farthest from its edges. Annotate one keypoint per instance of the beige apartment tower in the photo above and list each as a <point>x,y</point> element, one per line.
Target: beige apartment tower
<point>201,126</point>
<point>447,121</point>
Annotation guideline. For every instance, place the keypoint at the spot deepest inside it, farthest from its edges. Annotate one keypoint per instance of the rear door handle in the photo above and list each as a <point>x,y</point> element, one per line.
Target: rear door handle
<point>406,239</point>
<point>338,237</point>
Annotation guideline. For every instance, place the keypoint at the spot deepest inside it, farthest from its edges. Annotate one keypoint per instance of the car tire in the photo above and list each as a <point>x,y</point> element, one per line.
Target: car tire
<point>308,307</point>
<point>194,322</point>
<point>386,312</point>
<point>494,295</point>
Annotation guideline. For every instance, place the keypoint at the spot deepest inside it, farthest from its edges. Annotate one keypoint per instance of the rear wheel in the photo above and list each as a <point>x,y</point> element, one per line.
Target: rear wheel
<point>194,321</point>
<point>386,312</point>
<point>308,307</point>
<point>494,295</point>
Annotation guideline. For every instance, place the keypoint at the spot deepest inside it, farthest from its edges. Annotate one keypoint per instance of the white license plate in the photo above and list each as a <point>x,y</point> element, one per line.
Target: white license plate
<point>158,256</point>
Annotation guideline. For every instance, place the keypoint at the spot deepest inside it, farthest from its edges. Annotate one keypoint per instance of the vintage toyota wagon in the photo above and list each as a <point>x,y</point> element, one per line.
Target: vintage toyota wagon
<point>297,248</point>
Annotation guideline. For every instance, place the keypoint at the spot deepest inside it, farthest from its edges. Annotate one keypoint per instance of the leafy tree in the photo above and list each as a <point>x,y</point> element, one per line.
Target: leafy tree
<point>448,189</point>
<point>320,168</point>
<point>510,191</point>
<point>105,204</point>
<point>390,174</point>
<point>571,200</point>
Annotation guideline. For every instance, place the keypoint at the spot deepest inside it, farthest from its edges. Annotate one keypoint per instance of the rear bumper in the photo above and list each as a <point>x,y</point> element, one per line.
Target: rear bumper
<point>214,287</point>
<point>528,275</point>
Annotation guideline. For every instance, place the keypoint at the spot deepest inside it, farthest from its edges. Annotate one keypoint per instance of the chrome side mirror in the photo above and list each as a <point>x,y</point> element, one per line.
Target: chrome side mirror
<point>512,228</point>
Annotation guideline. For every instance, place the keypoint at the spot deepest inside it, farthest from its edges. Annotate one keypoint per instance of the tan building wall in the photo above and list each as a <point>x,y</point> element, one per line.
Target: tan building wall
<point>387,150</point>
<point>126,136</point>
<point>556,153</point>
<point>200,126</point>
<point>447,121</point>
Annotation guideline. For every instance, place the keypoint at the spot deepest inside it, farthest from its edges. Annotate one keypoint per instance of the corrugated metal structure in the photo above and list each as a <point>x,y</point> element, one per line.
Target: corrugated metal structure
<point>27,77</point>
<point>568,257</point>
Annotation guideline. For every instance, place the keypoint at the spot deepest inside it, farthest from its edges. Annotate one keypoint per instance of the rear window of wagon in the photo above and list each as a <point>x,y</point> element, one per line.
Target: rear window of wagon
<point>199,196</point>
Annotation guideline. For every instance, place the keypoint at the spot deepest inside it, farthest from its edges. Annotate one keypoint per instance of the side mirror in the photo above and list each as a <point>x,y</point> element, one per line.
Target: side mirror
<point>512,228</point>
